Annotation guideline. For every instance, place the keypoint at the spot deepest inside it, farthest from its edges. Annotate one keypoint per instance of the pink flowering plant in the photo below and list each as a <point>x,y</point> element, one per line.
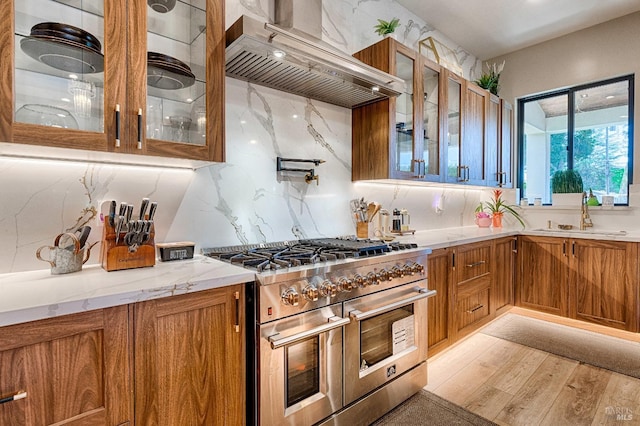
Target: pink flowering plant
<point>496,205</point>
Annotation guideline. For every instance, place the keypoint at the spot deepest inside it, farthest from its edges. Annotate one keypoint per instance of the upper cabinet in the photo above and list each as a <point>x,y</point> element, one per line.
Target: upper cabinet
<point>399,138</point>
<point>120,76</point>
<point>442,128</point>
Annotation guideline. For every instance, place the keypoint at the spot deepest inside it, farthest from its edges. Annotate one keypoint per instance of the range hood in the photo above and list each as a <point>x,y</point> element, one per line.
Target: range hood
<point>294,62</point>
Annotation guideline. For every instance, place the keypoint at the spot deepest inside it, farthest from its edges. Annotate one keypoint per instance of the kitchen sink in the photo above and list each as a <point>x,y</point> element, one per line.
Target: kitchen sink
<point>586,231</point>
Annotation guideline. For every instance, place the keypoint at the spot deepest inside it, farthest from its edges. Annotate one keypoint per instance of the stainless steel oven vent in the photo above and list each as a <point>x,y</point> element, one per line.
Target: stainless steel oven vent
<point>268,55</point>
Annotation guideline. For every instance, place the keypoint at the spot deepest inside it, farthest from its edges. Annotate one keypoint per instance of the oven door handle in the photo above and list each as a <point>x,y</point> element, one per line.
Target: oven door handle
<point>334,322</point>
<point>423,293</point>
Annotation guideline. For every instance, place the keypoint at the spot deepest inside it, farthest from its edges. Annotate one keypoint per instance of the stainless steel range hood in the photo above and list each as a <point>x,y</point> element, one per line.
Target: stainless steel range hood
<point>271,56</point>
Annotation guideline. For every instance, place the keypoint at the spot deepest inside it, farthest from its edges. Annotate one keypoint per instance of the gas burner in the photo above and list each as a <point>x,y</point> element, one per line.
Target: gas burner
<point>275,256</point>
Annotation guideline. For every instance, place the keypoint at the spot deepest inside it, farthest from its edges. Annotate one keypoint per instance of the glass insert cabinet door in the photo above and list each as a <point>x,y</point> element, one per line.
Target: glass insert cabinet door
<point>59,76</point>
<point>404,146</point>
<point>453,126</point>
<point>176,71</point>
<point>431,121</point>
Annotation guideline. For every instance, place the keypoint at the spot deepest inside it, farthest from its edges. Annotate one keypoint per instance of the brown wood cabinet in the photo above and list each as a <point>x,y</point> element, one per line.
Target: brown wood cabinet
<point>603,284</point>
<point>590,280</point>
<point>543,274</point>
<point>162,112</point>
<point>504,262</point>
<point>472,286</point>
<point>474,134</point>
<point>169,361</point>
<point>498,143</point>
<point>438,310</point>
<point>400,137</point>
<point>189,359</point>
<point>74,369</point>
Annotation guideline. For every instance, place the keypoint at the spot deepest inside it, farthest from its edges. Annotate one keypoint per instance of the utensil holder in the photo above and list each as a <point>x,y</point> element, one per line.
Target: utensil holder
<point>116,256</point>
<point>362,229</point>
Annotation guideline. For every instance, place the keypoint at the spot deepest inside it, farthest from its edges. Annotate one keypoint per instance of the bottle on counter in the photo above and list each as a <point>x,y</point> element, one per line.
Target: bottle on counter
<point>405,220</point>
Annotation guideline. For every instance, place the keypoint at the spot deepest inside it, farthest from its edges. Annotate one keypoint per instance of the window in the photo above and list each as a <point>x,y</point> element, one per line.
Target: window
<point>587,128</point>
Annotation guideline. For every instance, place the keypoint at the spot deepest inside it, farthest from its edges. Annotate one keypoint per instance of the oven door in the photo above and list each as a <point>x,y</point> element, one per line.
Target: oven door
<point>387,337</point>
<point>300,367</point>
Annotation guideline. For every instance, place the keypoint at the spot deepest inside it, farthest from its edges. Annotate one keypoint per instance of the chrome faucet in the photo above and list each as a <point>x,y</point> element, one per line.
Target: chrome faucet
<point>585,220</point>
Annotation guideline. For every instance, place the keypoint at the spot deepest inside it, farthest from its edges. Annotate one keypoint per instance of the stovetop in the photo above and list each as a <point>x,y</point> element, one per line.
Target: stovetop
<point>285,254</point>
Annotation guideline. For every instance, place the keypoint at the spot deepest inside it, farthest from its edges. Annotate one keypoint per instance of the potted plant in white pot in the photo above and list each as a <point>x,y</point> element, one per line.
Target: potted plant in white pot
<point>566,188</point>
<point>387,28</point>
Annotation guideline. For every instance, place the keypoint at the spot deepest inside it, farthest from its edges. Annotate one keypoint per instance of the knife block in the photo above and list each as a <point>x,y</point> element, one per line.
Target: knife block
<point>115,257</point>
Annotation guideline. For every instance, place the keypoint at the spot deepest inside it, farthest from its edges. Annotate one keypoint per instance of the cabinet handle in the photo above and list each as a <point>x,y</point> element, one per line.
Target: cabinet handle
<point>14,397</point>
<point>471,265</point>
<point>237,324</point>
<point>468,174</point>
<point>564,248</point>
<point>139,128</point>
<point>573,248</point>
<point>117,125</point>
<point>515,245</point>
<point>471,311</point>
<point>419,168</point>
<point>453,261</point>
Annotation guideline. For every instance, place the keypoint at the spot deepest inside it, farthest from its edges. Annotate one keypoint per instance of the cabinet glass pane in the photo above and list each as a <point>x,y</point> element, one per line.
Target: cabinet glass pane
<point>431,122</point>
<point>404,115</point>
<point>59,78</point>
<point>176,71</point>
<point>453,128</point>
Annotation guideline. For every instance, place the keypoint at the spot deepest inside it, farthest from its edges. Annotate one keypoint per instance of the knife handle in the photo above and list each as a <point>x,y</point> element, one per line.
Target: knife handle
<point>112,213</point>
<point>152,210</point>
<point>143,207</point>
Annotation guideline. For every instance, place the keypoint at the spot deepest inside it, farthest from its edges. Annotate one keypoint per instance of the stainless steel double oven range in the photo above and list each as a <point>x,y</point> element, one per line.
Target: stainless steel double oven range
<point>340,329</point>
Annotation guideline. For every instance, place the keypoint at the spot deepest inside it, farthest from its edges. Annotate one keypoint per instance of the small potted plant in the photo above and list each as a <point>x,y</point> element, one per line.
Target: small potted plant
<point>384,28</point>
<point>491,80</point>
<point>483,219</point>
<point>566,188</point>
<point>498,207</point>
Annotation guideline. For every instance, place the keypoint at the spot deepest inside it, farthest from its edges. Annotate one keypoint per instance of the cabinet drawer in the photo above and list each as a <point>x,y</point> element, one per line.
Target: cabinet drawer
<point>473,262</point>
<point>472,308</point>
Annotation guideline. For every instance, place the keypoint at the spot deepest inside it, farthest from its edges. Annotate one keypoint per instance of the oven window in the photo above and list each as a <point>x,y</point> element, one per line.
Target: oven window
<point>377,335</point>
<point>303,370</point>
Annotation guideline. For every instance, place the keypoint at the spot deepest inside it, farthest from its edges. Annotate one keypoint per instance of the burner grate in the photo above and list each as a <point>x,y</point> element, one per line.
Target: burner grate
<point>273,256</point>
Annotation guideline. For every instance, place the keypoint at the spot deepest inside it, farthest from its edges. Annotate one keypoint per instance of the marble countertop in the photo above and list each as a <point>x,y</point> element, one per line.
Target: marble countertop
<point>28,296</point>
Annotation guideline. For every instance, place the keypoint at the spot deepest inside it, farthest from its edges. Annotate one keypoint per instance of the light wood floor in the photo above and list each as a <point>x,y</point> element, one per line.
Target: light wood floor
<point>512,384</point>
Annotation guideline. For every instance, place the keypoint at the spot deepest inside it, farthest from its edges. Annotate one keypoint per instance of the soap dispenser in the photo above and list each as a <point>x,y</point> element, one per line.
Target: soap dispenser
<point>592,200</point>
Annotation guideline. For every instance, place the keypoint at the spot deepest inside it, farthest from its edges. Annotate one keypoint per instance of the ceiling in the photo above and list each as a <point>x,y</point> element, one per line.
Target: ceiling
<point>490,28</point>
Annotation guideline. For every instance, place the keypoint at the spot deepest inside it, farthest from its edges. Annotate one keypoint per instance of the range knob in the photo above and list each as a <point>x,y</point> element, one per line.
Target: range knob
<point>290,297</point>
<point>360,281</point>
<point>310,293</point>
<point>407,269</point>
<point>373,278</point>
<point>385,275</point>
<point>345,284</point>
<point>397,272</point>
<point>417,268</point>
<point>327,288</point>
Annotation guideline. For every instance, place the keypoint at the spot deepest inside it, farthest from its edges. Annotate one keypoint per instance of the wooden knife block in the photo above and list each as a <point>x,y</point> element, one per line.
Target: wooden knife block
<point>115,257</point>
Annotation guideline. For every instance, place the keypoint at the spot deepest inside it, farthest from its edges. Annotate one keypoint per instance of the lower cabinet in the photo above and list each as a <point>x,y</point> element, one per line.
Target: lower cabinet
<point>504,262</point>
<point>189,359</point>
<point>472,286</point>
<point>173,361</point>
<point>438,266</point>
<point>474,283</point>
<point>74,370</point>
<point>589,280</point>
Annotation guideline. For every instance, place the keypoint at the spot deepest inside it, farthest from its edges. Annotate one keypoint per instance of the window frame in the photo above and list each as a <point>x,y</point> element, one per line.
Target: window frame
<point>570,93</point>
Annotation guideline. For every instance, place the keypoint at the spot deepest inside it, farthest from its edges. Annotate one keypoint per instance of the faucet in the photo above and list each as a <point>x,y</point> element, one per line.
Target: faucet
<point>585,220</point>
